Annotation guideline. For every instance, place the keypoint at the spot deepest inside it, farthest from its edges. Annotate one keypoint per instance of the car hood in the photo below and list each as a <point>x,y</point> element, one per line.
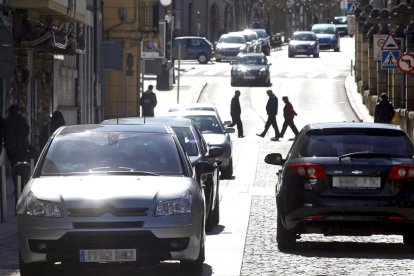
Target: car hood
<point>215,139</point>
<point>301,42</point>
<point>83,191</point>
<point>325,36</point>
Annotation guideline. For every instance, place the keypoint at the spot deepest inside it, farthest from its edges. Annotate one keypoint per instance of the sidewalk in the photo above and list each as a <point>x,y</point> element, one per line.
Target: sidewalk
<point>355,100</point>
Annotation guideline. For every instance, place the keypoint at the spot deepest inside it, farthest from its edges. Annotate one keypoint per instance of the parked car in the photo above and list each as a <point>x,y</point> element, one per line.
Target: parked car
<point>328,36</point>
<point>303,43</point>
<point>197,150</point>
<point>264,39</point>
<point>195,48</point>
<point>254,45</point>
<point>251,68</point>
<point>229,46</point>
<point>119,194</point>
<point>345,179</point>
<point>215,133</point>
<point>341,23</point>
<point>197,106</point>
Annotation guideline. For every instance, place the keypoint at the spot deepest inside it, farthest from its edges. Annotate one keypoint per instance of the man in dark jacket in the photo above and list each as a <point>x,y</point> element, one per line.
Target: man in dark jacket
<point>148,102</point>
<point>235,112</point>
<point>384,111</point>
<point>271,109</point>
<point>288,113</point>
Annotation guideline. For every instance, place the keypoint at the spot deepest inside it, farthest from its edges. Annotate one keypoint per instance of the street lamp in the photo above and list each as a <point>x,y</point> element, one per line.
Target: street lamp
<point>198,23</point>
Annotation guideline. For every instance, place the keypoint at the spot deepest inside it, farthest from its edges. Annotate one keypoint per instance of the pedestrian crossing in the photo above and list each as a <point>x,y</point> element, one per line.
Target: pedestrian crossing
<point>322,74</point>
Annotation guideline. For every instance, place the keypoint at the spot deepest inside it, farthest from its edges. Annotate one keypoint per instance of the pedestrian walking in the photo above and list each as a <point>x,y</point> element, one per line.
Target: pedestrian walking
<point>235,112</point>
<point>16,136</point>
<point>288,113</point>
<point>271,109</point>
<point>148,102</point>
<point>384,111</point>
<point>56,121</point>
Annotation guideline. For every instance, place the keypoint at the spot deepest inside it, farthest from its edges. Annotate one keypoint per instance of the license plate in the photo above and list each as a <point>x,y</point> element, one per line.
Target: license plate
<point>107,255</point>
<point>354,182</point>
<point>249,77</point>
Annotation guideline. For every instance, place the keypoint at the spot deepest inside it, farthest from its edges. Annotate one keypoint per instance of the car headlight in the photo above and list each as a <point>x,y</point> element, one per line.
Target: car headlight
<point>262,71</point>
<point>40,208</point>
<point>177,206</point>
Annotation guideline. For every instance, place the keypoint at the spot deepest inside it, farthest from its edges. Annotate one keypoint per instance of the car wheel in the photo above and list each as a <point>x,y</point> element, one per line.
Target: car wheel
<point>227,172</point>
<point>202,59</point>
<point>336,49</point>
<point>408,240</point>
<point>286,240</point>
<point>209,210</point>
<point>316,55</point>
<point>218,59</point>
<point>196,266</point>
<point>290,55</point>
<point>31,269</point>
<point>233,82</point>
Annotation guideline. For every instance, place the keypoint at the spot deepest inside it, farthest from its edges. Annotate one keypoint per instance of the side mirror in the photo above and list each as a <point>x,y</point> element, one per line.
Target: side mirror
<point>215,152</point>
<point>274,159</point>
<point>229,130</point>
<point>201,169</point>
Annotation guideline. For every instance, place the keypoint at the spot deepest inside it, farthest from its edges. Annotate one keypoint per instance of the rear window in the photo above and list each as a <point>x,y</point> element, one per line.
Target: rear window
<point>323,29</point>
<point>335,143</point>
<point>187,140</point>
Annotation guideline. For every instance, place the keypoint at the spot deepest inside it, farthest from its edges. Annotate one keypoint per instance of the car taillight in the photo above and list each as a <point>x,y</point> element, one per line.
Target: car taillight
<point>401,172</point>
<point>308,170</point>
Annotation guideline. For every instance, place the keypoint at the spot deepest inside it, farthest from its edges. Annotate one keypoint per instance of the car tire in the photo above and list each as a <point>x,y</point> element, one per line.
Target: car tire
<point>31,269</point>
<point>286,240</point>
<point>233,82</point>
<point>209,211</point>
<point>408,240</point>
<point>316,55</point>
<point>218,59</point>
<point>227,172</point>
<point>337,49</point>
<point>196,266</point>
<point>202,58</point>
<point>290,55</point>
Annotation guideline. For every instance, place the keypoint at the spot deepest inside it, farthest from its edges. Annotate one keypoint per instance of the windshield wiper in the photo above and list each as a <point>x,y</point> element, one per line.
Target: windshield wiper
<point>120,170</point>
<point>364,154</point>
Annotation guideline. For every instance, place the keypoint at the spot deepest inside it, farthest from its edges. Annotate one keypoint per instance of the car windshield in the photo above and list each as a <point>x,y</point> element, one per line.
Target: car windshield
<point>187,140</point>
<point>232,40</point>
<point>340,20</point>
<point>258,60</point>
<point>207,124</point>
<point>323,30</point>
<point>336,143</point>
<point>100,152</point>
<point>261,33</point>
<point>303,37</point>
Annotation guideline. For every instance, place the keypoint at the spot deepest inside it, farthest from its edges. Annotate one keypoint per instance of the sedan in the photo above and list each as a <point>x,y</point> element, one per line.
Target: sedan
<point>197,150</point>
<point>345,179</point>
<point>251,68</point>
<point>112,194</point>
<point>215,133</point>
<point>328,36</point>
<point>303,43</point>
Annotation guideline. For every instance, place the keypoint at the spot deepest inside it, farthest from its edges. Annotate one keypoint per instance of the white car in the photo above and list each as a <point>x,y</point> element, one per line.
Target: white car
<point>117,194</point>
<point>229,46</point>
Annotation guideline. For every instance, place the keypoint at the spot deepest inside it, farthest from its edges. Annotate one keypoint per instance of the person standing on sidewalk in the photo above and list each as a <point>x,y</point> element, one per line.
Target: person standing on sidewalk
<point>271,109</point>
<point>384,111</point>
<point>235,112</point>
<point>148,102</point>
<point>288,113</point>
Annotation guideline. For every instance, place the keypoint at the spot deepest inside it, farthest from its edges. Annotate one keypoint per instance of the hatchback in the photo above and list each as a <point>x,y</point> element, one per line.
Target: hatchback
<point>112,194</point>
<point>303,43</point>
<point>195,48</point>
<point>345,179</point>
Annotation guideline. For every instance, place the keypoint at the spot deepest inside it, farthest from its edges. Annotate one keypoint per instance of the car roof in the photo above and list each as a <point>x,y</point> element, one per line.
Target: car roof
<point>324,25</point>
<point>235,34</point>
<point>250,54</point>
<point>193,105</point>
<point>192,37</point>
<point>352,125</point>
<point>162,129</point>
<point>157,120</point>
<point>193,113</point>
<point>304,32</point>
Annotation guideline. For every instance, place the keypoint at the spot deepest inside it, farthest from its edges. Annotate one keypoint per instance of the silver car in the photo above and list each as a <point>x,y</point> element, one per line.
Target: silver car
<point>112,194</point>
<point>215,133</point>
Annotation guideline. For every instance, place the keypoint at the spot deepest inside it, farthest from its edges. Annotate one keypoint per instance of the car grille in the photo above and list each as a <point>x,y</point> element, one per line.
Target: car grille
<point>119,224</point>
<point>107,208</point>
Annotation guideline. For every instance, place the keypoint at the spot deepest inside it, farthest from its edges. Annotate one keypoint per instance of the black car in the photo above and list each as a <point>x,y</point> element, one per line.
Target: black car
<point>345,179</point>
<point>250,68</point>
<point>197,150</point>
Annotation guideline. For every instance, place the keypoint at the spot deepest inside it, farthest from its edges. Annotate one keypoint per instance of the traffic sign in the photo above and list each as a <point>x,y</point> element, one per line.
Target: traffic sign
<point>379,42</point>
<point>390,44</point>
<point>389,59</point>
<point>351,7</point>
<point>406,62</point>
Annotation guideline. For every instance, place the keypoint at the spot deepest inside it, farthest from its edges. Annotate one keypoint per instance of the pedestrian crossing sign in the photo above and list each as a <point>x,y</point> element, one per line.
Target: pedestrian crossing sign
<point>351,6</point>
<point>389,59</point>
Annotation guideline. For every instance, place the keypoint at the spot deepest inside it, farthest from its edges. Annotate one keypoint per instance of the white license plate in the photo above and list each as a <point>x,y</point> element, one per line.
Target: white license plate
<point>354,182</point>
<point>107,255</point>
<point>249,77</point>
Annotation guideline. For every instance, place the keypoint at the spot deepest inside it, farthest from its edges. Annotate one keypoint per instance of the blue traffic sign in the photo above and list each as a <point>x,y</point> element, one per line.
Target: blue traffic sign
<point>389,59</point>
<point>351,6</point>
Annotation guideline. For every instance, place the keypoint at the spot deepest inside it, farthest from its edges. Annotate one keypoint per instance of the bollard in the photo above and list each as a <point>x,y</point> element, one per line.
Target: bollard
<point>351,67</point>
<point>3,186</point>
